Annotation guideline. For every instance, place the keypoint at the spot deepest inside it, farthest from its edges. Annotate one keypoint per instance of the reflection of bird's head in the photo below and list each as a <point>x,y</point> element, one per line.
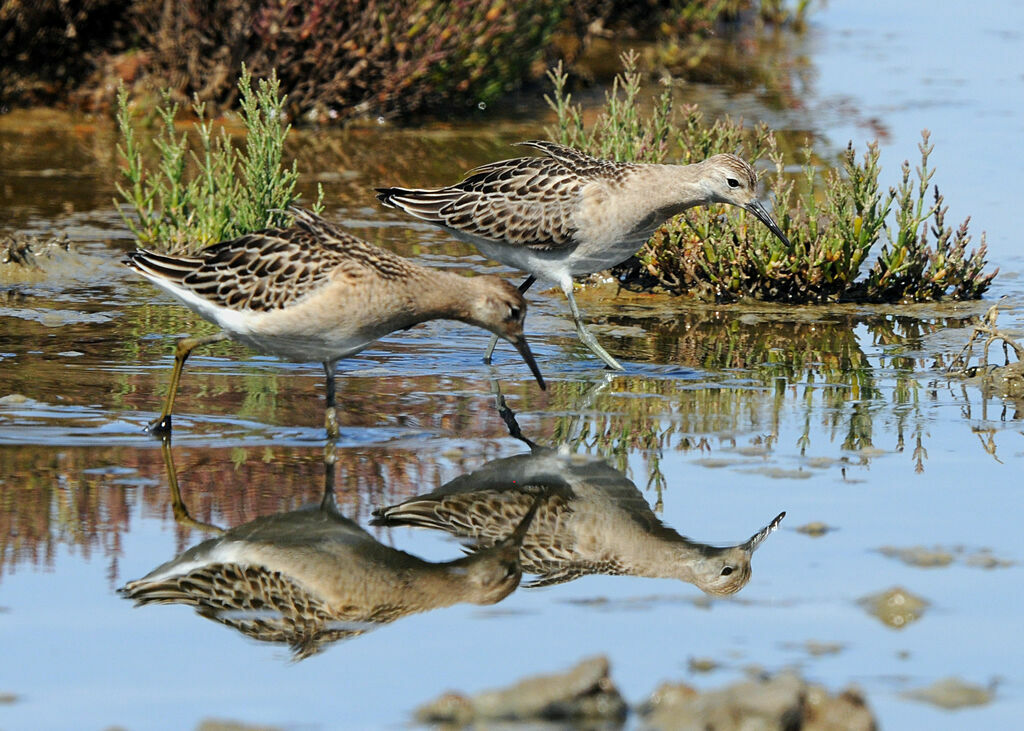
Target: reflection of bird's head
<point>724,571</point>
<point>494,573</point>
<point>491,574</point>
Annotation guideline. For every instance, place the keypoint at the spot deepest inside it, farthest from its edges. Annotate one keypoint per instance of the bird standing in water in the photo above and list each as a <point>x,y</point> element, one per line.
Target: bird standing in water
<point>592,520</point>
<point>569,214</point>
<point>312,576</point>
<point>313,292</point>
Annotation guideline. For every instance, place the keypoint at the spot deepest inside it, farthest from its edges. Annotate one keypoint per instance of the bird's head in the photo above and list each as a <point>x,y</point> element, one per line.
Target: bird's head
<point>501,309</point>
<point>724,571</point>
<point>730,179</point>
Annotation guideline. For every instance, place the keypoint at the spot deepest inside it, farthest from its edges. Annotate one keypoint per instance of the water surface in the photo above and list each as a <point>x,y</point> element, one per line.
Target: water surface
<point>725,417</point>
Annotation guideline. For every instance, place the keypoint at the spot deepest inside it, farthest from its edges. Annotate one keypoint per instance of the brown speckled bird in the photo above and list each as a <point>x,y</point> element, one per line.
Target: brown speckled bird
<point>311,577</point>
<point>569,214</point>
<point>313,292</point>
<point>592,520</point>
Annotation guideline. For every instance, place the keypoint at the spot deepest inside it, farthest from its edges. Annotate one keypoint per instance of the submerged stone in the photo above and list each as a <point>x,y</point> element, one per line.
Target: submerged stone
<point>702,665</point>
<point>783,701</point>
<point>586,692</point>
<point>985,560</point>
<point>919,556</point>
<point>896,607</point>
<point>814,529</point>
<point>952,693</point>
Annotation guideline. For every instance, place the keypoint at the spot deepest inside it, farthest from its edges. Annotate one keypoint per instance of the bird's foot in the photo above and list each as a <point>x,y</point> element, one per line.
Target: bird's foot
<point>160,427</point>
<point>331,424</point>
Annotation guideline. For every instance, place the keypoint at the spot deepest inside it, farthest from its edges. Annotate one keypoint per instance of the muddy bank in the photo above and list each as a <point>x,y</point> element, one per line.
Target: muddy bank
<point>586,696</point>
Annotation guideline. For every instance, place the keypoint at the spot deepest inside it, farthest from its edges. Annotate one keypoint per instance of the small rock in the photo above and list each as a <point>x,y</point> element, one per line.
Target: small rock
<point>896,607</point>
<point>814,529</point>
<point>780,473</point>
<point>985,560</point>
<point>918,556</point>
<point>702,665</point>
<point>585,692</point>
<point>952,693</point>
<point>818,649</point>
<point>849,710</point>
<point>212,724</point>
<point>780,702</point>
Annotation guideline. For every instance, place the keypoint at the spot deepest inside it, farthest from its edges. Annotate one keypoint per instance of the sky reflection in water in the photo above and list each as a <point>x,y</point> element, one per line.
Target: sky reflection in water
<point>720,423</point>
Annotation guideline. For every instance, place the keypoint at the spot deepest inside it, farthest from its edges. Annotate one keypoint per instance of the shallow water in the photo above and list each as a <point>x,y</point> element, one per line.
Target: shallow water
<point>725,417</point>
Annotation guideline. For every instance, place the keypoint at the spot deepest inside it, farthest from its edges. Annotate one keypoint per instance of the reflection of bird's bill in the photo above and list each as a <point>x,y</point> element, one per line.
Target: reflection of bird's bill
<point>758,210</point>
<point>524,350</point>
<point>758,538</point>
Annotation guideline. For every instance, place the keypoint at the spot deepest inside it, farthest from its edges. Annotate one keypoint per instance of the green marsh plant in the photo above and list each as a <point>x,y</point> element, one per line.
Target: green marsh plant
<point>197,196</point>
<point>833,218</point>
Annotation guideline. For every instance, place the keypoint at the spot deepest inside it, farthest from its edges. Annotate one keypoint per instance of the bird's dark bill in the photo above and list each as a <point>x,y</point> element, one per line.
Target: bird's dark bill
<point>524,350</point>
<point>758,210</point>
<point>758,538</point>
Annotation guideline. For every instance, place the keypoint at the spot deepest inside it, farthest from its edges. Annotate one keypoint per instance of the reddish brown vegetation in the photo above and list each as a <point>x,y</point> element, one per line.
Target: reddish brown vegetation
<point>335,58</point>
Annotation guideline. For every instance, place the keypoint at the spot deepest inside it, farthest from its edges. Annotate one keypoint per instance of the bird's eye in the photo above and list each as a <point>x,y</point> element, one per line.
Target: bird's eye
<point>727,570</point>
<point>514,313</point>
<point>733,182</point>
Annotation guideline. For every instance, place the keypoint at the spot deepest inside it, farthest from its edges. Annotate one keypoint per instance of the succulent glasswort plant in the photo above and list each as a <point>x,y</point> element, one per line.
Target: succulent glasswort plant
<point>833,218</point>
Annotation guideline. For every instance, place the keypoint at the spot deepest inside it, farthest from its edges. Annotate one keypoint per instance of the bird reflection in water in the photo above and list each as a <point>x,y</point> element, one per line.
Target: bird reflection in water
<point>311,577</point>
<point>593,521</point>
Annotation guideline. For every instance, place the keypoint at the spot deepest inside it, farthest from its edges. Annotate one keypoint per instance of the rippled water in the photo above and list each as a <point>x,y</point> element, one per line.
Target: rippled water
<point>724,418</point>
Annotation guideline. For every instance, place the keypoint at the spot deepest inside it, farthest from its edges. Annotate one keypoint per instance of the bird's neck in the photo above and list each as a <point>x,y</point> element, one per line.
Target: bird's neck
<point>661,554</point>
<point>436,295</point>
<point>665,191</point>
<point>674,188</point>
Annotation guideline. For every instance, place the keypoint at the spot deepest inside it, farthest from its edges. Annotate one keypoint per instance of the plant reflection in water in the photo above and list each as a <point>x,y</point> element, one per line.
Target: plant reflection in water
<point>311,577</point>
<point>593,521</point>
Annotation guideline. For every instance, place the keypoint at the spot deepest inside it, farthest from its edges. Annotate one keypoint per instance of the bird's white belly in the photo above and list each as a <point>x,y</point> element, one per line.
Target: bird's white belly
<point>557,264</point>
<point>300,348</point>
<point>298,334</point>
<point>590,258</point>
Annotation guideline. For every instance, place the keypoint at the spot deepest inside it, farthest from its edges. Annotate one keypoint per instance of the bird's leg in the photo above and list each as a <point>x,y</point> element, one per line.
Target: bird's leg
<point>327,502</point>
<point>181,514</point>
<point>331,413</point>
<point>585,335</point>
<point>161,427</point>
<point>508,415</point>
<point>527,283</point>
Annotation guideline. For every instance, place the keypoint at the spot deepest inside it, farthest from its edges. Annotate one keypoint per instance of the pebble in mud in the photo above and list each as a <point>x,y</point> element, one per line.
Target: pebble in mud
<point>776,702</point>
<point>938,556</point>
<point>896,607</point>
<point>814,529</point>
<point>586,692</point>
<point>952,693</point>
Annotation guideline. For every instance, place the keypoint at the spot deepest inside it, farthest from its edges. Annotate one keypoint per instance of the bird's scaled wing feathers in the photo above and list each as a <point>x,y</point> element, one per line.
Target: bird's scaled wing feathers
<point>273,268</point>
<point>526,201</point>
